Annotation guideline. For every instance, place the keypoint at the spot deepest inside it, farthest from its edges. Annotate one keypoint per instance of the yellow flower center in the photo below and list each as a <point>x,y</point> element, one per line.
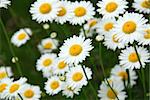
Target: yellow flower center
<point>146,4</point>
<point>3,75</point>
<point>75,50</point>
<point>108,26</point>
<point>114,39</point>
<point>123,75</point>
<point>47,62</point>
<point>62,65</point>
<point>45,8</point>
<point>80,11</point>
<point>133,57</point>
<point>147,35</point>
<point>62,12</point>
<point>29,93</point>
<point>21,36</point>
<point>111,94</point>
<point>2,87</point>
<point>54,85</point>
<point>77,76</point>
<point>48,45</point>
<point>111,7</point>
<point>92,23</point>
<point>129,27</point>
<point>14,88</point>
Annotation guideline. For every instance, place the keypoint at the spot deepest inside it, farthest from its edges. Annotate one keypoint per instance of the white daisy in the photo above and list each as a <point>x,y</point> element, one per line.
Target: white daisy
<point>75,49</point>
<point>13,89</point>
<point>44,10</point>
<point>130,27</point>
<point>111,41</point>
<point>76,76</point>
<point>64,14</point>
<point>120,72</point>
<point>5,72</point>
<point>21,37</point>
<point>145,39</point>
<point>46,62</point>
<point>60,67</point>
<point>89,27</point>
<point>4,3</point>
<point>3,85</point>
<point>111,8</point>
<point>142,6</point>
<point>47,45</point>
<point>129,59</point>
<point>69,92</point>
<point>105,26</point>
<point>81,11</point>
<point>29,92</point>
<point>53,85</point>
<point>106,93</point>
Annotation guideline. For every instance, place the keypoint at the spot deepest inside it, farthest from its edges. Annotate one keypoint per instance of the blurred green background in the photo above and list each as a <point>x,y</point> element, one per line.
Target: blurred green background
<point>18,16</point>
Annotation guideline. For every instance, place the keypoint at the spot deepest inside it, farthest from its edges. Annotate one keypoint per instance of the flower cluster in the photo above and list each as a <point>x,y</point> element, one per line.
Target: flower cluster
<point>12,89</point>
<point>64,72</point>
<point>125,32</point>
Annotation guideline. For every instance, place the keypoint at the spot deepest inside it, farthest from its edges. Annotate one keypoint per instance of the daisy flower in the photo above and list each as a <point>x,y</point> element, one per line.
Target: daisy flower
<point>111,41</point>
<point>142,6</point>
<point>29,92</point>
<point>81,11</point>
<point>75,49</point>
<point>47,45</point>
<point>105,26</point>
<point>130,27</point>
<point>111,8</point>
<point>3,85</point>
<point>129,59</point>
<point>76,76</point>
<point>46,62</point>
<point>5,72</point>
<point>44,10</point>
<point>60,67</point>
<point>13,89</point>
<point>120,72</point>
<point>64,14</point>
<point>106,93</point>
<point>145,39</point>
<point>89,27</point>
<point>4,3</point>
<point>91,24</point>
<point>21,37</point>
<point>53,85</point>
<point>69,92</point>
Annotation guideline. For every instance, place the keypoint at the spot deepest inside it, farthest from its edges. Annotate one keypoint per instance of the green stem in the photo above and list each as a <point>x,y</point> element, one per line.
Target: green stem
<point>84,69</point>
<point>10,46</point>
<point>142,70</point>
<point>104,75</point>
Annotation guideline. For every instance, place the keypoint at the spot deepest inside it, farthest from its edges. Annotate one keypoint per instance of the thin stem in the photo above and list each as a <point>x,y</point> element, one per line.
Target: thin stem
<point>142,70</point>
<point>104,75</point>
<point>84,31</point>
<point>84,69</point>
<point>10,46</point>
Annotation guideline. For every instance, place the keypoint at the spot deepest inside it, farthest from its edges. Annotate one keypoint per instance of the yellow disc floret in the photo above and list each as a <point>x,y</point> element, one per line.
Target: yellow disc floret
<point>80,11</point>
<point>75,50</point>
<point>111,7</point>
<point>45,8</point>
